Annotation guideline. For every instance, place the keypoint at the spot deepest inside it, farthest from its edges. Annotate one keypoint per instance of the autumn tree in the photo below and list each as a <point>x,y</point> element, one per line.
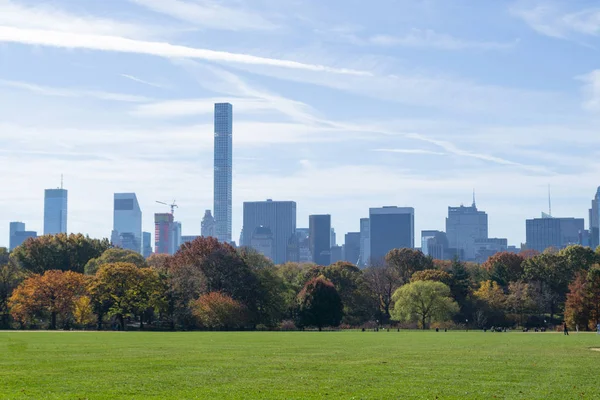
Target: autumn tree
<point>383,281</point>
<point>408,261</point>
<point>216,310</point>
<point>320,304</point>
<point>520,299</point>
<point>577,310</point>
<point>158,261</point>
<point>504,267</point>
<point>115,255</point>
<point>58,252</point>
<point>359,303</point>
<point>424,302</point>
<point>491,300</point>
<point>432,275</point>
<point>223,270</point>
<point>10,277</point>
<point>123,289</point>
<point>53,294</point>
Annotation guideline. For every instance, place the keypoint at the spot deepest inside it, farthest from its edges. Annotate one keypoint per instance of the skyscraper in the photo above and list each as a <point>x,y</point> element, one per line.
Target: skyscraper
<point>147,244</point>
<point>163,234</point>
<point>279,217</point>
<point>352,247</point>
<point>391,228</point>
<point>223,177</point>
<point>55,211</point>
<point>595,221</point>
<point>365,242</point>
<point>464,226</point>
<point>18,235</point>
<point>127,222</point>
<point>208,225</point>
<point>319,237</point>
<point>559,233</point>
<point>262,240</point>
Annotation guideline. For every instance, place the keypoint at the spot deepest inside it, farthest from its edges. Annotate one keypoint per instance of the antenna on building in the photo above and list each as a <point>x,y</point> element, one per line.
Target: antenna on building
<point>549,202</point>
<point>474,202</point>
<point>61,181</point>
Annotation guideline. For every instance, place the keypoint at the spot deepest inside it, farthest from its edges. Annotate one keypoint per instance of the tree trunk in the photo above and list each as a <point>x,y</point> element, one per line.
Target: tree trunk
<point>53,321</point>
<point>99,321</point>
<point>141,321</point>
<point>423,322</point>
<point>121,322</point>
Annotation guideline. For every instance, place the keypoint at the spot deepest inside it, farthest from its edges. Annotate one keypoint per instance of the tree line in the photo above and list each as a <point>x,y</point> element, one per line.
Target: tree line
<point>75,282</point>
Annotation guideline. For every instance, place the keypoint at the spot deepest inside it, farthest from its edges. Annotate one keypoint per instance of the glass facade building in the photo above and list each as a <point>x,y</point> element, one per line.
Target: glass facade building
<point>223,176</point>
<point>319,237</point>
<point>279,217</point>
<point>55,211</point>
<point>543,233</point>
<point>127,222</point>
<point>391,228</point>
<point>464,226</point>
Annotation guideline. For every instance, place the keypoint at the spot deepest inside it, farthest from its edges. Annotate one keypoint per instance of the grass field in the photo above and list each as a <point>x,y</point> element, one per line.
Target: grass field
<point>296,365</point>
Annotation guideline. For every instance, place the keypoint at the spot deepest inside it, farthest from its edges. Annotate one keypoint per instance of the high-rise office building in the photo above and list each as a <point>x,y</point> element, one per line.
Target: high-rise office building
<point>464,226</point>
<point>208,225</point>
<point>147,244</point>
<point>127,222</point>
<point>365,242</point>
<point>333,239</point>
<point>55,211</point>
<point>543,233</point>
<point>320,238</point>
<point>279,217</point>
<point>188,239</point>
<point>352,247</point>
<point>263,241</point>
<point>18,235</point>
<point>435,245</point>
<point>595,221</point>
<point>223,177</point>
<point>391,228</point>
<point>336,254</point>
<point>163,234</point>
<point>176,236</point>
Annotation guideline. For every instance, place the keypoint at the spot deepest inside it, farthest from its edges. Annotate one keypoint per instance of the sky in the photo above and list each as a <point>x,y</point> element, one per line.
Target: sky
<point>339,105</point>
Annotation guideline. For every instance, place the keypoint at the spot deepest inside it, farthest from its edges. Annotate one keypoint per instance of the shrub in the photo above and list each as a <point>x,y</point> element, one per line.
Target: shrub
<point>216,310</point>
<point>287,325</point>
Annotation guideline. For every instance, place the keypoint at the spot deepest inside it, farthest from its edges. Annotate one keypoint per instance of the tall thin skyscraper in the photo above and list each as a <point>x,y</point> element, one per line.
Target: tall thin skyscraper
<point>320,238</point>
<point>55,211</point>
<point>127,222</point>
<point>164,230</point>
<point>223,177</point>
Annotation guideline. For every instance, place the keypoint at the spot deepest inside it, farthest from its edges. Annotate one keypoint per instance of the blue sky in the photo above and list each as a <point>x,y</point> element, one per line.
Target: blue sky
<point>338,105</point>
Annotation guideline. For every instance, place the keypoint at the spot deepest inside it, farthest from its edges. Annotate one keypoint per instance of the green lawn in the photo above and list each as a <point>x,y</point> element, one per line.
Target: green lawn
<point>296,365</point>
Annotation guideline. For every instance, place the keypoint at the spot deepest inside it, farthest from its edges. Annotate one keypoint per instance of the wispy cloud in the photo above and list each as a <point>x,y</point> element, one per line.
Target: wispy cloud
<point>410,151</point>
<point>160,49</point>
<point>552,19</point>
<point>591,90</point>
<point>44,16</point>
<point>428,38</point>
<point>69,92</point>
<point>190,107</point>
<point>142,81</point>
<point>209,14</point>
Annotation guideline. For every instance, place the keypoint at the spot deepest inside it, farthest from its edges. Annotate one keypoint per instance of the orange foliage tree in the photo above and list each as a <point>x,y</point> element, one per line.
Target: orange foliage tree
<point>51,295</point>
<point>216,310</point>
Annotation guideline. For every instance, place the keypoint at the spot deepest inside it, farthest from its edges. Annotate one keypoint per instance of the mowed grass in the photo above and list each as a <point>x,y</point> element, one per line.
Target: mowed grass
<point>298,365</point>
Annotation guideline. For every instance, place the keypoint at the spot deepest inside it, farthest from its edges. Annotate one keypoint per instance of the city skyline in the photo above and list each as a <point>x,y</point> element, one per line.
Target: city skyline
<point>343,112</point>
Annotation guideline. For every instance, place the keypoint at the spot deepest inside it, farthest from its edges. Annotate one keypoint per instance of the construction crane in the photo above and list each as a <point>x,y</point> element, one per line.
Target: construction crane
<point>173,206</point>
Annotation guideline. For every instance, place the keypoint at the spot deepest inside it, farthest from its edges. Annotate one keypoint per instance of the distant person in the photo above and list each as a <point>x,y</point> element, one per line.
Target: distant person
<point>566,329</point>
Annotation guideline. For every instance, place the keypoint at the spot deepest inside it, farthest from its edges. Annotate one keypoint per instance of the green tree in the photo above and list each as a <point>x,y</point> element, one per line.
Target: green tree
<point>579,258</point>
<point>320,304</point>
<point>423,302</point>
<point>10,277</point>
<point>115,255</point>
<point>122,289</point>
<point>359,304</point>
<point>520,300</point>
<point>432,275</point>
<point>407,262</point>
<point>491,301</point>
<point>58,252</point>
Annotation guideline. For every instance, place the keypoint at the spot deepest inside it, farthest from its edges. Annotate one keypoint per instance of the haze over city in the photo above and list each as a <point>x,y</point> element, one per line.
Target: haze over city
<point>338,112</point>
